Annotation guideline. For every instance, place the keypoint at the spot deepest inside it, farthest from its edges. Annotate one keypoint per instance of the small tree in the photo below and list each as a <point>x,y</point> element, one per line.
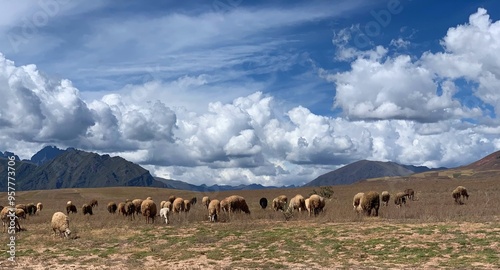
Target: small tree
<point>325,192</point>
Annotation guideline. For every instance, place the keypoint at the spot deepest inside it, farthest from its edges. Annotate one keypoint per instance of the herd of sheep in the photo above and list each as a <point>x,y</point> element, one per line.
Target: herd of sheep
<point>363,202</point>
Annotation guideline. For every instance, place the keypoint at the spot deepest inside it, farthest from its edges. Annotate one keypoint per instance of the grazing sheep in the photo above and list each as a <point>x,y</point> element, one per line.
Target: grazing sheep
<point>213,210</point>
<point>297,203</point>
<point>205,201</point>
<point>9,215</point>
<point>237,203</point>
<point>162,204</point>
<point>459,193</point>
<point>316,204</point>
<point>20,213</point>
<point>224,205</point>
<point>112,207</point>
<point>187,205</point>
<point>93,203</point>
<point>164,212</point>
<point>130,210</point>
<point>357,199</point>
<point>137,205</point>
<point>263,203</point>
<point>121,209</point>
<point>400,199</point>
<point>148,209</point>
<point>172,198</point>
<point>39,206</point>
<point>370,203</point>
<point>87,209</point>
<point>307,203</point>
<point>178,205</point>
<point>168,205</point>
<point>31,209</point>
<point>60,223</point>
<point>279,203</point>
<point>385,196</point>
<point>410,193</point>
<point>22,206</point>
<point>193,201</point>
<point>71,208</point>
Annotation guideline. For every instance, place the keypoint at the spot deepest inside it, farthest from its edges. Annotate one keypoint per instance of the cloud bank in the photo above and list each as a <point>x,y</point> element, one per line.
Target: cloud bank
<point>436,109</point>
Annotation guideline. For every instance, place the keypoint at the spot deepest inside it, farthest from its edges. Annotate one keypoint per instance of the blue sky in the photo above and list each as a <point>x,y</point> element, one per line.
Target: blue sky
<point>238,91</point>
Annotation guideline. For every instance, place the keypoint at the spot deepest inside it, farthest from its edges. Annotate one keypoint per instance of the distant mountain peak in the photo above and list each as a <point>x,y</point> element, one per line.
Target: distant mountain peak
<point>364,169</point>
<point>46,154</point>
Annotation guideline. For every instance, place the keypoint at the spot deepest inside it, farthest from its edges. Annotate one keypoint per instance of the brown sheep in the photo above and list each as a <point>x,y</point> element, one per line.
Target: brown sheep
<point>357,199</point>
<point>410,193</point>
<point>187,205</point>
<point>178,205</point>
<point>121,209</point>
<point>193,201</point>
<point>370,203</point>
<point>20,213</point>
<point>112,207</point>
<point>9,214</point>
<point>279,203</point>
<point>168,205</point>
<point>385,196</point>
<point>297,203</point>
<point>87,209</point>
<point>400,199</point>
<point>148,209</point>
<point>31,209</point>
<point>22,206</point>
<point>93,203</point>
<point>459,193</point>
<point>224,205</point>
<point>205,201</point>
<point>237,204</point>
<point>316,204</point>
<point>71,208</point>
<point>137,205</point>
<point>172,198</point>
<point>213,210</point>
<point>130,210</point>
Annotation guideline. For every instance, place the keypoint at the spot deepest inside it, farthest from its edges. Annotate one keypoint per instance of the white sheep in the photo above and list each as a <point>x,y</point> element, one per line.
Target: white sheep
<point>39,207</point>
<point>60,222</point>
<point>356,200</point>
<point>164,212</point>
<point>385,196</point>
<point>213,210</point>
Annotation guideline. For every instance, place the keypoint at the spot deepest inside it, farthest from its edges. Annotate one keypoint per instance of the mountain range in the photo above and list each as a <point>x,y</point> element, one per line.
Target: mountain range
<point>366,169</point>
<point>54,168</point>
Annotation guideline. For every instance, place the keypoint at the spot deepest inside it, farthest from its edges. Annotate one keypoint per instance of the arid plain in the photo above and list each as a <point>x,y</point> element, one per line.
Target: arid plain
<point>428,233</point>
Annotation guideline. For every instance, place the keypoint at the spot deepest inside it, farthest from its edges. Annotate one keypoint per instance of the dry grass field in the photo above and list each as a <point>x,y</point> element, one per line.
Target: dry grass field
<point>428,233</point>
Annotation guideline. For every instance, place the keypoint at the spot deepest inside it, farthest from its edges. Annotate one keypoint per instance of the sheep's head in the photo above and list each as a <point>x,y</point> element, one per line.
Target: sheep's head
<point>67,233</point>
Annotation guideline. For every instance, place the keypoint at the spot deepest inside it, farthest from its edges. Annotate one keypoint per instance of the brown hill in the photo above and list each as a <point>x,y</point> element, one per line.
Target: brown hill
<point>488,163</point>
